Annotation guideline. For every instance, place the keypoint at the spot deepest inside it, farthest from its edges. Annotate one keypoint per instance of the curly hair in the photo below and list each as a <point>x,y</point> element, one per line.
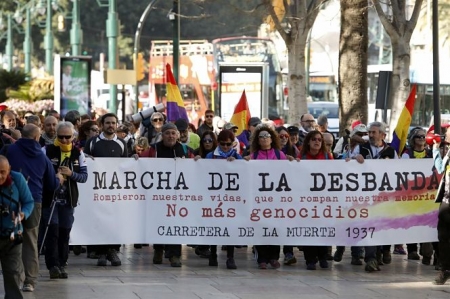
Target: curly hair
<point>306,148</point>
<point>201,150</point>
<point>254,139</point>
<point>84,128</point>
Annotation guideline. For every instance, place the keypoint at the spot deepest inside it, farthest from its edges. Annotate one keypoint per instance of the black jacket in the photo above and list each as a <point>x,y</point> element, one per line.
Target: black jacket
<point>387,152</point>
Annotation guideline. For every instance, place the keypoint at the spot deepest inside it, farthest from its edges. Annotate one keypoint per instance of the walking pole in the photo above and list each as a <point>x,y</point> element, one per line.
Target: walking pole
<point>53,204</point>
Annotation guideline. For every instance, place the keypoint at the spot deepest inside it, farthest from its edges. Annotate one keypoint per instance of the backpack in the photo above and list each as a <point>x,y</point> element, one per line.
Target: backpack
<point>277,153</point>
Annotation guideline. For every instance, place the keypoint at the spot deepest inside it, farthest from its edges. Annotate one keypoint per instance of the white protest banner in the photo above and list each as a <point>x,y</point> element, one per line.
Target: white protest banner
<point>182,201</point>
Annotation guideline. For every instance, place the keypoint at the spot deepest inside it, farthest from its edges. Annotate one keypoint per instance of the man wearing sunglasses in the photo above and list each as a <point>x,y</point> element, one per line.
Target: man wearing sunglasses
<point>26,156</point>
<point>207,124</point>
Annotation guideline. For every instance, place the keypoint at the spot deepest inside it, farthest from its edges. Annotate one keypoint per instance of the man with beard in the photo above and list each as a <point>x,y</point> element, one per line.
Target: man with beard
<point>307,123</point>
<point>375,148</point>
<point>107,144</point>
<point>49,135</point>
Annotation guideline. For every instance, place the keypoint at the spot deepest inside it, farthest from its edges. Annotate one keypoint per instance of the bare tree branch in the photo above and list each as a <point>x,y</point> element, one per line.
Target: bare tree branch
<point>411,24</point>
<point>277,22</point>
<point>384,19</point>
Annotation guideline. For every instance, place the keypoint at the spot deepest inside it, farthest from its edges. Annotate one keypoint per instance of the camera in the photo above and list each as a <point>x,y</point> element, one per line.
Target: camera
<point>4,210</point>
<point>4,130</point>
<point>147,113</point>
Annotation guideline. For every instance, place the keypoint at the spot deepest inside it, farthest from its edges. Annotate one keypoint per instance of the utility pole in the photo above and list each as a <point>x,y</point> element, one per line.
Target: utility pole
<point>9,44</point>
<point>27,42</point>
<point>112,28</point>
<point>48,39</point>
<point>176,39</point>
<point>76,35</point>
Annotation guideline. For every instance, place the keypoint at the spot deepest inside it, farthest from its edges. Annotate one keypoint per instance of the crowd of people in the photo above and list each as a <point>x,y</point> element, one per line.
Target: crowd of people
<point>43,160</point>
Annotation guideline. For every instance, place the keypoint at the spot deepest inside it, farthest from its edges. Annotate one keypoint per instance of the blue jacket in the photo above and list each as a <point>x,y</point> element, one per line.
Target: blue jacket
<point>19,192</point>
<point>26,156</point>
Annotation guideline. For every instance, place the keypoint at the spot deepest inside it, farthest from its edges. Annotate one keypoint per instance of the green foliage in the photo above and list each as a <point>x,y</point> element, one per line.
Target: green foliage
<point>36,90</point>
<point>10,80</point>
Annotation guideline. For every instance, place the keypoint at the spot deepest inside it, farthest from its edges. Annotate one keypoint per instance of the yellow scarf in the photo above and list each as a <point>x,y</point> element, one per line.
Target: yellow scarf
<point>63,147</point>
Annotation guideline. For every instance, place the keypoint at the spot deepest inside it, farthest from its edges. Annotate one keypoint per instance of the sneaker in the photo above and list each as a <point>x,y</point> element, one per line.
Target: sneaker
<point>356,261</point>
<point>175,261</point>
<point>102,260</point>
<point>204,253</point>
<point>387,258</point>
<point>262,266</point>
<point>113,257</point>
<point>28,287</point>
<point>442,277</point>
<point>275,264</point>
<point>426,260</point>
<point>213,261</point>
<point>338,255</point>
<point>398,249</point>
<point>323,264</point>
<point>76,249</point>
<point>63,274</point>
<point>231,264</point>
<point>54,272</point>
<point>289,259</point>
<point>379,258</point>
<point>413,256</point>
<point>311,266</point>
<point>372,265</point>
<point>158,257</point>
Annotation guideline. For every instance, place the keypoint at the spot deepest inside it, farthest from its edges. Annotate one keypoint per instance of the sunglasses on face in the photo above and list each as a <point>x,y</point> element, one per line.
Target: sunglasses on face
<point>308,121</point>
<point>64,136</point>
<point>207,140</point>
<point>316,139</point>
<point>419,137</point>
<point>284,136</point>
<point>157,120</point>
<point>209,116</point>
<point>264,136</point>
<point>226,143</point>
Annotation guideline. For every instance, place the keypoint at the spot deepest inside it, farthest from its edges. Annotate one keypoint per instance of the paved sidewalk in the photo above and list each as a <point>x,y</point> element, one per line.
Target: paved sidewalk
<point>139,278</point>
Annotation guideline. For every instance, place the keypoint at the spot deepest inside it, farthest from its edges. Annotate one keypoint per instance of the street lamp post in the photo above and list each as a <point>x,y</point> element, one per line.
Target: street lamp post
<point>27,42</point>
<point>112,34</point>
<point>48,39</point>
<point>176,39</point>
<point>76,35</point>
<point>9,44</point>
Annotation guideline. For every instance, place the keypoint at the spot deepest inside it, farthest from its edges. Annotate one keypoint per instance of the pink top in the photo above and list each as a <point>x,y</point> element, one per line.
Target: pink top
<point>268,155</point>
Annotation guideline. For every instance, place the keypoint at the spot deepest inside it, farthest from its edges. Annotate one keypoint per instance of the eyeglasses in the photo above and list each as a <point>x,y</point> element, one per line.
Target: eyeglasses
<point>64,136</point>
<point>316,139</point>
<point>264,136</point>
<point>226,143</point>
<point>308,121</point>
<point>419,137</point>
<point>284,136</point>
<point>209,116</point>
<point>157,120</point>
<point>220,128</point>
<point>207,140</point>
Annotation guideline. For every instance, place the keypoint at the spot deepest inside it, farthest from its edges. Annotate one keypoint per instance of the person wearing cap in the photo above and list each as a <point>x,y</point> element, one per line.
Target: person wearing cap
<point>244,137</point>
<point>322,126</point>
<point>294,136</point>
<point>107,144</point>
<point>416,149</point>
<point>168,147</point>
<point>236,144</point>
<point>187,138</point>
<point>207,124</point>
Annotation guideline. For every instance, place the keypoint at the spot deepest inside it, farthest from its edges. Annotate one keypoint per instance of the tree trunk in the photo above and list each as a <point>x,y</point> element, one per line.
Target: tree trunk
<point>353,63</point>
<point>297,79</point>
<point>400,82</point>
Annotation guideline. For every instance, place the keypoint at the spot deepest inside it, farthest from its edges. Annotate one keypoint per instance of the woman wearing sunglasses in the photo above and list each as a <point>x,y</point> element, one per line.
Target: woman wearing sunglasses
<point>314,149</point>
<point>224,150</point>
<point>290,150</point>
<point>208,143</point>
<point>265,145</point>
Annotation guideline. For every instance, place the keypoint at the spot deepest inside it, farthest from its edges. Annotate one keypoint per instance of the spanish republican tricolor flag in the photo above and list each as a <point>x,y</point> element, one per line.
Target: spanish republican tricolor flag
<point>241,114</point>
<point>175,104</point>
<point>402,129</point>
